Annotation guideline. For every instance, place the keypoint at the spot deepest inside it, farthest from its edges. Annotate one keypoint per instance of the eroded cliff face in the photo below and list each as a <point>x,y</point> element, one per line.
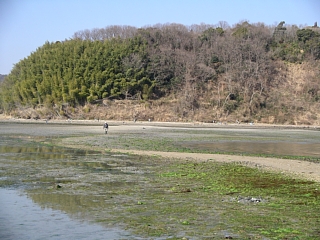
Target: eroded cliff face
<point>301,93</point>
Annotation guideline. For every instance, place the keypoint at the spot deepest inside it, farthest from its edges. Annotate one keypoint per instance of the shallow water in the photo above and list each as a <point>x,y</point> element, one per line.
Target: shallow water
<point>271,148</point>
<point>31,207</point>
<point>260,141</point>
<point>21,218</point>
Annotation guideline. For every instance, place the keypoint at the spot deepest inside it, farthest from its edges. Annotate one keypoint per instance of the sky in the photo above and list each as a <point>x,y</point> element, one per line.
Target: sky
<point>26,25</point>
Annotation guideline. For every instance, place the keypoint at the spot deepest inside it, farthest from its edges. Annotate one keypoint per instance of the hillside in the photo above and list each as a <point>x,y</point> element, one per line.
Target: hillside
<point>248,72</point>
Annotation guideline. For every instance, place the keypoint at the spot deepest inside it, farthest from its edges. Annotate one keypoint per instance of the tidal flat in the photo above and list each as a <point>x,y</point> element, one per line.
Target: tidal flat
<point>71,168</point>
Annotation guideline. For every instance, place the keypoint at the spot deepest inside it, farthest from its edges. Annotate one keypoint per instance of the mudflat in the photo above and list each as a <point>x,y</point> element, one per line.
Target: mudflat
<point>82,129</point>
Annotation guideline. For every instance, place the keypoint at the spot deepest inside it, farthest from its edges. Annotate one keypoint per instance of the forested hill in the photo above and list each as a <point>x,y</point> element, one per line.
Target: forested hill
<point>203,72</point>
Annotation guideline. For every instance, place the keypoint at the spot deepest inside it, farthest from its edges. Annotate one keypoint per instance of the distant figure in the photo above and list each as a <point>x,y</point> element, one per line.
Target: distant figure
<point>105,127</point>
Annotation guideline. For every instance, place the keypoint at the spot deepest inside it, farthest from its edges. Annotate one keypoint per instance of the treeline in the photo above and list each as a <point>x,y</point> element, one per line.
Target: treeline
<point>227,67</point>
<point>78,71</point>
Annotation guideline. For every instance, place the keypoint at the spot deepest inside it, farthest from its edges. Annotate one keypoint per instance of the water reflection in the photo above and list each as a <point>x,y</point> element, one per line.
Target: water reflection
<point>21,219</point>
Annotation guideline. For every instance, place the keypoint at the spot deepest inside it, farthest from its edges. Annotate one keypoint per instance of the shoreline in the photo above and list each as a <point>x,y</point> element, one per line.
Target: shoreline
<point>96,122</point>
<point>57,128</point>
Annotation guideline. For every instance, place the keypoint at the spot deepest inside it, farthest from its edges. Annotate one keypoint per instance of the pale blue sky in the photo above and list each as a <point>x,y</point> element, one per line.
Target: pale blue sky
<point>26,25</point>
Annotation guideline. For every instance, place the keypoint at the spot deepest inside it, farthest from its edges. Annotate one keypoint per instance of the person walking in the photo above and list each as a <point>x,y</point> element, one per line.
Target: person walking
<point>105,127</point>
